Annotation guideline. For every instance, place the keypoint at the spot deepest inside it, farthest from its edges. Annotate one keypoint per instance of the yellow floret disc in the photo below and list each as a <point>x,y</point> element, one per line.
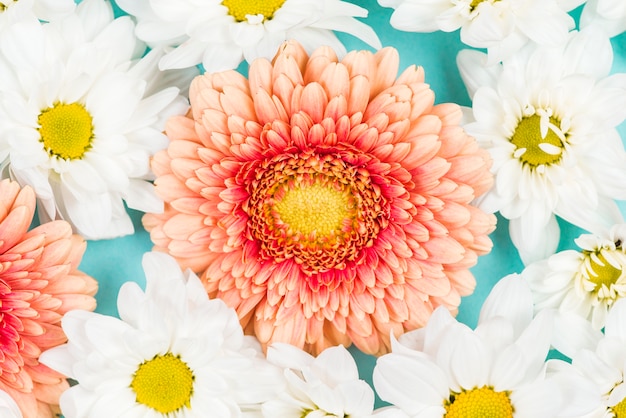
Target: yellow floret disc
<point>527,136</point>
<point>315,208</point>
<point>479,403</point>
<point>603,272</point>
<point>66,130</point>
<point>164,383</point>
<point>239,9</point>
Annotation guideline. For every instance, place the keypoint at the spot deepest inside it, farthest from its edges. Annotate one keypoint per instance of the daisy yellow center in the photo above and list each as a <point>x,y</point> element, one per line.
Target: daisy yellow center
<point>619,410</point>
<point>479,403</point>
<point>531,147</point>
<point>314,209</point>
<point>66,130</point>
<point>239,9</point>
<point>601,272</point>
<point>164,383</point>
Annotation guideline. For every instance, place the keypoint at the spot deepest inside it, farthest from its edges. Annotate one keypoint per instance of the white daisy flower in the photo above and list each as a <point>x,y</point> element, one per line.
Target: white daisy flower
<point>45,10</point>
<point>173,353</point>
<point>220,34</point>
<point>548,116</point>
<point>81,115</point>
<point>324,386</point>
<point>586,282</point>
<point>8,407</point>
<point>501,26</point>
<point>609,15</point>
<point>497,370</point>
<point>601,358</point>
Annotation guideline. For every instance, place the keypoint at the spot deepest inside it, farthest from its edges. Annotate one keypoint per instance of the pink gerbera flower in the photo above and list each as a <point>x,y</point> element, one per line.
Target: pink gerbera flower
<point>325,200</point>
<point>39,282</point>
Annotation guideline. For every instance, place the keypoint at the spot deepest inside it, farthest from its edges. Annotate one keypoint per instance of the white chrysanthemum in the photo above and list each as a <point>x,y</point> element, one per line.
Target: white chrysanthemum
<point>609,15</point>
<point>497,370</point>
<point>548,116</point>
<point>586,282</point>
<point>501,26</point>
<point>600,357</point>
<point>220,34</point>
<point>324,386</point>
<point>173,353</point>
<point>8,407</point>
<point>46,10</point>
<point>79,120</point>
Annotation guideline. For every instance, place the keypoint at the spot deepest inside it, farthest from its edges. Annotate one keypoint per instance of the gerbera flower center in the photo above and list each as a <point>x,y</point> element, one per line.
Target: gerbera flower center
<point>479,403</point>
<point>240,9</point>
<point>66,130</point>
<point>315,209</point>
<point>539,138</point>
<point>164,383</point>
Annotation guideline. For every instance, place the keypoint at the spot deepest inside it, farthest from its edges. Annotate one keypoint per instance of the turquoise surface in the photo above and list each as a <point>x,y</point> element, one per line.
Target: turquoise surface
<point>113,262</point>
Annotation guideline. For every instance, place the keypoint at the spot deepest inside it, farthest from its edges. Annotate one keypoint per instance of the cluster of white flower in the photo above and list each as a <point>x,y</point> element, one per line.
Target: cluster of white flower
<point>175,352</point>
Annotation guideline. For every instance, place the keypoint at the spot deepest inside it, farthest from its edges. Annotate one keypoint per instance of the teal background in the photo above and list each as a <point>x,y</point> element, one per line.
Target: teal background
<point>113,262</point>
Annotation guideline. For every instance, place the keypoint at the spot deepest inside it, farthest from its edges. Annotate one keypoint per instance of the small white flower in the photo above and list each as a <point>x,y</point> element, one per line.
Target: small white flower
<point>447,369</point>
<point>221,34</point>
<point>548,116</point>
<point>173,353</point>
<point>600,357</point>
<point>501,26</point>
<point>324,386</point>
<point>81,115</point>
<point>586,282</point>
<point>609,15</point>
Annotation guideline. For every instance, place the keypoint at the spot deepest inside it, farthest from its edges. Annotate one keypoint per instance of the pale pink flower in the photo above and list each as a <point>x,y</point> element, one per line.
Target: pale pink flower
<point>326,201</point>
<point>39,282</point>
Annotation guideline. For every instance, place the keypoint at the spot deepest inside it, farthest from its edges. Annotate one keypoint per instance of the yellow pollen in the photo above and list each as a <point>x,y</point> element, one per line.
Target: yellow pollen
<point>619,410</point>
<point>602,273</point>
<point>239,9</point>
<point>479,403</point>
<point>164,383</point>
<point>313,209</point>
<point>527,138</point>
<point>66,130</point>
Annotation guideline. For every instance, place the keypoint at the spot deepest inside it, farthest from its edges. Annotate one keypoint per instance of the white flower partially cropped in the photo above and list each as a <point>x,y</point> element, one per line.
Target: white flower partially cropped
<point>587,282</point>
<point>81,115</point>
<point>609,15</point>
<point>173,353</point>
<point>220,34</point>
<point>548,118</point>
<point>501,26</point>
<point>602,359</point>
<point>498,369</point>
<point>8,407</point>
<point>324,386</point>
